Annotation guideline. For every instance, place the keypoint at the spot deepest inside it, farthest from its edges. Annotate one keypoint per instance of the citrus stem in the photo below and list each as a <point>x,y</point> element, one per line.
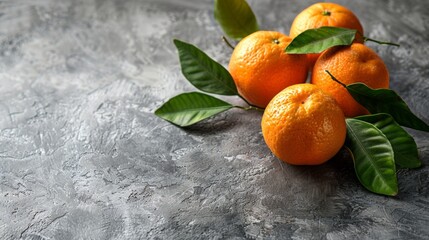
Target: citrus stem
<point>227,42</point>
<point>326,12</point>
<point>335,79</point>
<point>250,107</point>
<point>380,42</point>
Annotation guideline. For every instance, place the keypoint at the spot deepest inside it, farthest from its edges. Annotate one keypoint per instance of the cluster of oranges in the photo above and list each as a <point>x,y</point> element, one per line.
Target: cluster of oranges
<point>304,123</point>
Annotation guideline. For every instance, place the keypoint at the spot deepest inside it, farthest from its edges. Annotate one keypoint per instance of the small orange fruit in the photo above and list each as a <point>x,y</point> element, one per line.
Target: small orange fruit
<point>325,14</point>
<point>302,125</point>
<point>261,68</point>
<point>349,64</point>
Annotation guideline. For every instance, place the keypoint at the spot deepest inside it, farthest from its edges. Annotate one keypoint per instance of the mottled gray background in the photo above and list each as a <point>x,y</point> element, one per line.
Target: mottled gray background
<point>83,157</point>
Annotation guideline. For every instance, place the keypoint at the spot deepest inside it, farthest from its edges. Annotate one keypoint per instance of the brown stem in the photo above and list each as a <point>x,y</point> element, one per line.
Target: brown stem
<point>335,79</point>
<point>251,107</point>
<point>227,42</point>
<point>380,42</point>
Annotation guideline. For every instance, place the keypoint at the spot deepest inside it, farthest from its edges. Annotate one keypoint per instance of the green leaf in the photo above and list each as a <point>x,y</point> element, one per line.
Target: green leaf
<point>384,101</point>
<point>203,72</point>
<point>235,17</point>
<point>188,108</point>
<point>319,39</point>
<point>403,144</point>
<point>373,157</point>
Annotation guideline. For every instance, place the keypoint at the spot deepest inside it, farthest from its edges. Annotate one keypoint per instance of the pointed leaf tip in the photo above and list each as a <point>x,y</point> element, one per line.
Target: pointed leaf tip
<point>235,17</point>
<point>203,72</point>
<point>373,157</point>
<point>386,101</point>
<point>319,39</point>
<point>189,108</point>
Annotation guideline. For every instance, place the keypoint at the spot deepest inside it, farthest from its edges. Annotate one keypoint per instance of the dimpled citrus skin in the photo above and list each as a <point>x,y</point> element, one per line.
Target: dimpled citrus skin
<point>303,126</point>
<point>349,64</point>
<point>261,68</point>
<point>325,14</point>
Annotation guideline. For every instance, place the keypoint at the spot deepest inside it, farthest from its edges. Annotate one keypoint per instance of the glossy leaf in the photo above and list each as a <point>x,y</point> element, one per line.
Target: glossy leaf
<point>203,72</point>
<point>189,108</point>
<point>403,144</point>
<point>235,17</point>
<point>384,101</point>
<point>319,39</point>
<point>373,157</point>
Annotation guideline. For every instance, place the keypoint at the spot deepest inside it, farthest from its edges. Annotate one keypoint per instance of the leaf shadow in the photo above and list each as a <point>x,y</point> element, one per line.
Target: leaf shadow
<point>214,125</point>
<point>324,190</point>
<point>225,122</point>
<point>327,179</point>
<point>341,165</point>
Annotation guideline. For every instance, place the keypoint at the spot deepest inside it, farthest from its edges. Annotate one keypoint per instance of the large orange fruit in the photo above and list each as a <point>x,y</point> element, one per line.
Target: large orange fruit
<point>302,125</point>
<point>261,68</point>
<point>325,14</point>
<point>349,64</point>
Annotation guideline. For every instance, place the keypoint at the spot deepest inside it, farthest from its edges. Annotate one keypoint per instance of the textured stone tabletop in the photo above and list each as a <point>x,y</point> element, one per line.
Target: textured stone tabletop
<point>83,157</point>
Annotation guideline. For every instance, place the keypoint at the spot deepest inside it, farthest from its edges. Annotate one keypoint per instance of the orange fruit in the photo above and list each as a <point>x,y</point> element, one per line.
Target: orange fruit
<point>261,68</point>
<point>349,64</point>
<point>325,14</point>
<point>302,125</point>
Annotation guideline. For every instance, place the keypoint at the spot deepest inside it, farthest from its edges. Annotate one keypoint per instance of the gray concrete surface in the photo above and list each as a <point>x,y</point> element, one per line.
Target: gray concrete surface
<point>83,157</point>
